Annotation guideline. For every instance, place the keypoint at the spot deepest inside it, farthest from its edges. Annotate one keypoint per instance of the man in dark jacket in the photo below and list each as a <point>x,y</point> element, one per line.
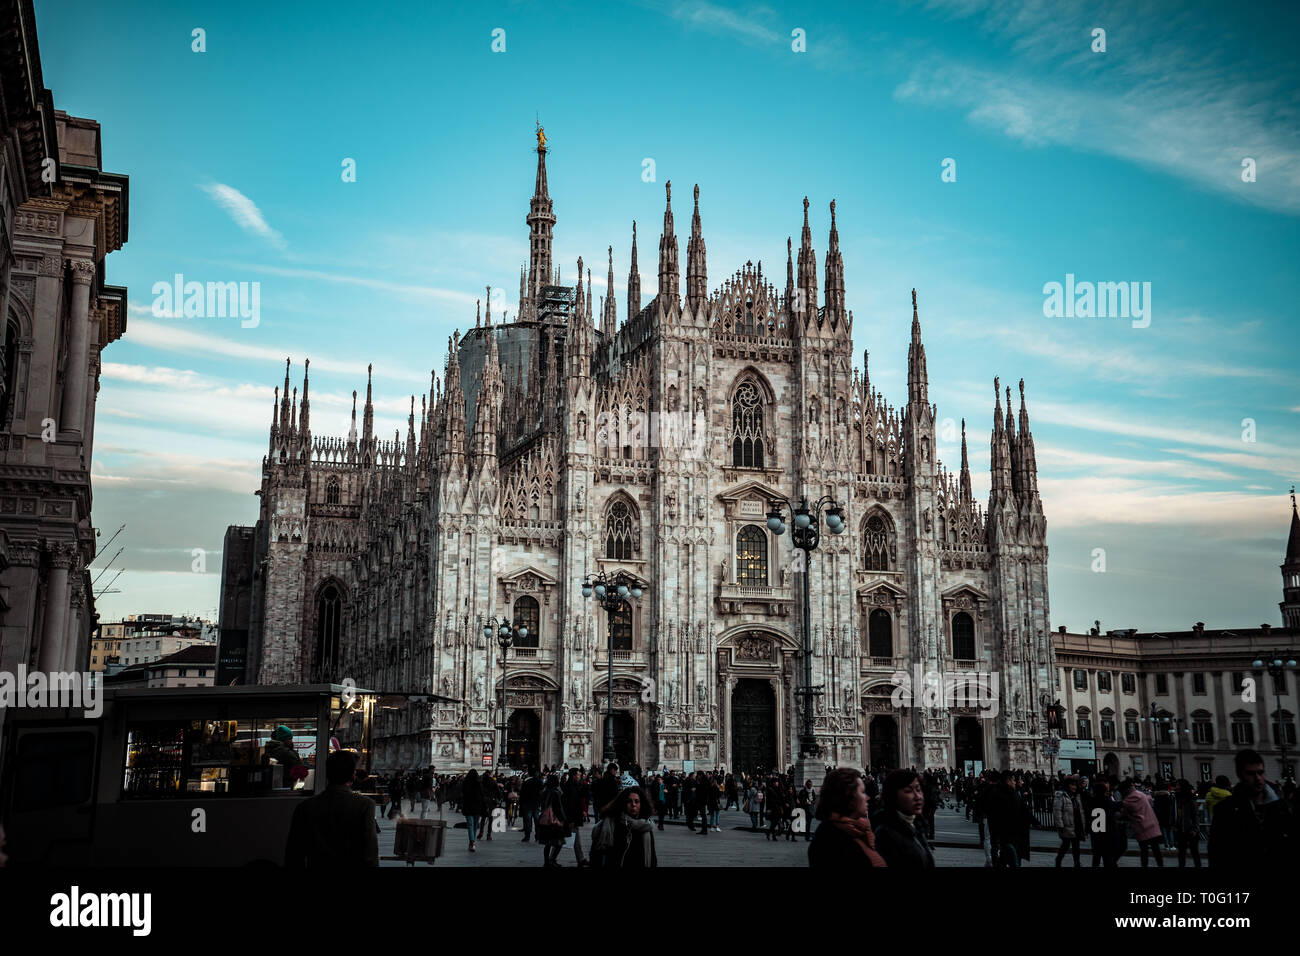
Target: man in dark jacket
<point>572,796</point>
<point>1254,829</point>
<point>606,790</point>
<point>530,792</point>
<point>1005,815</point>
<point>335,828</point>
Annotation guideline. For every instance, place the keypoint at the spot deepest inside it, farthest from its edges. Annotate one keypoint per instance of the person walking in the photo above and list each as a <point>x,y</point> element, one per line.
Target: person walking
<point>844,840</point>
<point>1187,826</point>
<point>471,805</point>
<point>552,823</point>
<point>530,793</point>
<point>1137,809</point>
<point>774,806</point>
<point>335,828</point>
<point>1067,814</point>
<point>573,812</point>
<point>899,829</point>
<point>753,804</point>
<point>395,790</point>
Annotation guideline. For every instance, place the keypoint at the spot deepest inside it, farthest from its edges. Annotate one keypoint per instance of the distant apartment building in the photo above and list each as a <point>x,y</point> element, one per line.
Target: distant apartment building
<point>193,666</point>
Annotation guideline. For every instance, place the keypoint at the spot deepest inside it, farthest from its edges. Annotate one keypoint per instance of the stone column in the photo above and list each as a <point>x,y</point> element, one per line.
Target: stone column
<point>54,634</point>
<point>75,628</point>
<point>78,370</point>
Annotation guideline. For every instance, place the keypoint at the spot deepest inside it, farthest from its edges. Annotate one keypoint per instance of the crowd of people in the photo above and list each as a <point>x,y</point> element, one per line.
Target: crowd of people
<point>881,817</point>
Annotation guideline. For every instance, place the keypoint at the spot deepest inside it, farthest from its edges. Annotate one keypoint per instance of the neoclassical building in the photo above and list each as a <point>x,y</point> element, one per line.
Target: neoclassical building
<point>570,441</point>
<point>61,215</point>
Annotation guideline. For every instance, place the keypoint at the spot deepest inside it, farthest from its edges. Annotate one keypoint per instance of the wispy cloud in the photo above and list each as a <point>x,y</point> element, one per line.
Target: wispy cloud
<point>244,212</point>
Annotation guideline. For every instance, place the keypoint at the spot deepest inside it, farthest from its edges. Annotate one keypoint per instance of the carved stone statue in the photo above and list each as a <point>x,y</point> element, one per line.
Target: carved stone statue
<point>478,691</point>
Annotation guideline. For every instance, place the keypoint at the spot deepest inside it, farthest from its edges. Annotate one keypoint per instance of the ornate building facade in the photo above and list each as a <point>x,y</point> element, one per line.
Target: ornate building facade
<point>567,442</point>
<point>61,215</point>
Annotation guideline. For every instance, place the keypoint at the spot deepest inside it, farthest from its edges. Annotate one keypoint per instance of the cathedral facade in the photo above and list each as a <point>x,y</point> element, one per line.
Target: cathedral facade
<point>566,443</point>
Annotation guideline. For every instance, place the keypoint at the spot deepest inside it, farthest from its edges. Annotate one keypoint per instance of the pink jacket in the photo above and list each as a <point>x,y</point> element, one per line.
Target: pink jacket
<point>1140,813</point>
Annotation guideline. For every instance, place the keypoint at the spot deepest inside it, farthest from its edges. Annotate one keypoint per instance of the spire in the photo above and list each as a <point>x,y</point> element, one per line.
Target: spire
<point>834,276</point>
<point>1025,458</point>
<point>579,298</point>
<point>609,320</point>
<point>275,419</point>
<point>807,268</point>
<point>1293,541</point>
<point>304,414</point>
<point>589,298</point>
<point>789,275</point>
<point>368,416</point>
<point>487,309</point>
<point>965,495</point>
<point>917,377</point>
<point>541,223</point>
<point>668,269</point>
<point>410,436</point>
<point>697,292</point>
<point>999,452</point>
<point>453,411</point>
<point>633,282</point>
<point>352,432</point>
<point>286,423</point>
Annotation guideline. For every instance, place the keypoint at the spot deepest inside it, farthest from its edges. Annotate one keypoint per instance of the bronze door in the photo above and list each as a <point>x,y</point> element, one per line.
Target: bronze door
<point>753,727</point>
<point>523,740</point>
<point>884,742</point>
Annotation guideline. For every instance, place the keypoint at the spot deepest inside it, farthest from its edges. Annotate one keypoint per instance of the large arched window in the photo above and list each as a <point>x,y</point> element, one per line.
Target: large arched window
<point>332,490</point>
<point>329,616</point>
<point>621,625</point>
<point>9,373</point>
<point>751,556</point>
<point>618,531</point>
<point>963,637</point>
<point>880,640</point>
<point>747,427</point>
<point>528,614</point>
<point>875,555</point>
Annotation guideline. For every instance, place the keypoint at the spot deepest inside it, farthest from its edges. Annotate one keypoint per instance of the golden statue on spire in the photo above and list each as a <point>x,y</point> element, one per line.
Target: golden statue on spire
<point>541,136</point>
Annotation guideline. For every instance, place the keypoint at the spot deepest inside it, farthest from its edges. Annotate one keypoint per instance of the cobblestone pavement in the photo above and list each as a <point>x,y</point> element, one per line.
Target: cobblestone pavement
<point>956,838</point>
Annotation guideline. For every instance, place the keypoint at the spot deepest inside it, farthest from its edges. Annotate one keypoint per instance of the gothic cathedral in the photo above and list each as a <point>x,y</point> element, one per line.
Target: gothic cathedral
<point>566,443</point>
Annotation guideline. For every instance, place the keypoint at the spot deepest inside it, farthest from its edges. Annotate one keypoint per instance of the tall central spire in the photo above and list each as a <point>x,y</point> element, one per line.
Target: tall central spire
<point>541,221</point>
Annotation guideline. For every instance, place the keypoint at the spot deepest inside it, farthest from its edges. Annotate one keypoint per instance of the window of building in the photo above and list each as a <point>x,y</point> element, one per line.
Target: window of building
<point>329,618</point>
<point>881,636</point>
<point>1058,678</point>
<point>1162,684</point>
<point>876,550</point>
<point>1085,728</point>
<point>332,490</point>
<point>1202,732</point>
<point>621,627</point>
<point>1137,765</point>
<point>528,613</point>
<point>1103,681</point>
<point>1131,732</point>
<point>618,531</point>
<point>963,637</point>
<point>747,427</point>
<point>1198,683</point>
<point>1284,729</point>
<point>1128,683</point>
<point>751,556</point>
<point>1108,728</point>
<point>1166,732</point>
<point>1243,731</point>
<point>1080,679</point>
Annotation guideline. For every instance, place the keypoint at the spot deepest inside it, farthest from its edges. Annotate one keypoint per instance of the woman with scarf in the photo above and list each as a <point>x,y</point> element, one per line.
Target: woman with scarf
<point>900,835</point>
<point>625,839</point>
<point>844,839</point>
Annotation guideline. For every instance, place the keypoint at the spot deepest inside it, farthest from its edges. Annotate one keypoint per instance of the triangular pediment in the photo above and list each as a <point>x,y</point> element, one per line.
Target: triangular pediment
<point>890,587</point>
<point>751,489</point>
<point>960,589</point>
<point>515,577</point>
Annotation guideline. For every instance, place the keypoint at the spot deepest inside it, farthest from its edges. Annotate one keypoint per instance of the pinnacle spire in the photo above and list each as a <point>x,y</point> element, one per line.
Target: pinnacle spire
<point>807,277</point>
<point>541,224</point>
<point>633,282</point>
<point>834,276</point>
<point>917,376</point>
<point>609,318</point>
<point>697,292</point>
<point>669,273</point>
<point>368,416</point>
<point>965,495</point>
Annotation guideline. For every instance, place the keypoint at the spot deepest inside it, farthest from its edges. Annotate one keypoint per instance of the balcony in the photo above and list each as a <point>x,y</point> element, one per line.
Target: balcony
<point>738,598</point>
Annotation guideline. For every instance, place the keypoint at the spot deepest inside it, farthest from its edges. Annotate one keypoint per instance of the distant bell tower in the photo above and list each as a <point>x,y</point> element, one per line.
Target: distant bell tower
<point>541,221</point>
<point>1291,572</point>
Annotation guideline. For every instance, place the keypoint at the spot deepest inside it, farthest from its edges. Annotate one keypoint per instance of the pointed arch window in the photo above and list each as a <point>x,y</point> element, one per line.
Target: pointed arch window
<point>747,427</point>
<point>528,614</point>
<point>619,537</point>
<point>876,548</point>
<point>963,637</point>
<point>332,490</point>
<point>880,641</point>
<point>329,617</point>
<point>751,557</point>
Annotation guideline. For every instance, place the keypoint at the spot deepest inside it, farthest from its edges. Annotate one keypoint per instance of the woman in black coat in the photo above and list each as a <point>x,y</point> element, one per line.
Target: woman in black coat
<point>552,837</point>
<point>899,827</point>
<point>472,804</point>
<point>844,839</point>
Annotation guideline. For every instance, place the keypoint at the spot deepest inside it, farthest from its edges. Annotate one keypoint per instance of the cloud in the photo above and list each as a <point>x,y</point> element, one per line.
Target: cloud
<point>244,212</point>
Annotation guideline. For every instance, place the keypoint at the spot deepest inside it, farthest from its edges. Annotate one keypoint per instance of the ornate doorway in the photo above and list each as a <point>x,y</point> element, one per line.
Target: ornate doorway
<point>969,740</point>
<point>523,740</point>
<point>624,725</point>
<point>884,742</point>
<point>753,726</point>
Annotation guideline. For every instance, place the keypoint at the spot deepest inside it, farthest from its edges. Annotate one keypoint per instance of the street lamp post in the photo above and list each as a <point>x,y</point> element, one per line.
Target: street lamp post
<point>610,592</point>
<point>1277,667</point>
<point>1179,726</point>
<point>505,635</point>
<point>807,535</point>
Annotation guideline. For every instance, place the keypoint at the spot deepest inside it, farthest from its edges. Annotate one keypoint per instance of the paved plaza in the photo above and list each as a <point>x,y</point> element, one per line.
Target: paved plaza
<point>957,845</point>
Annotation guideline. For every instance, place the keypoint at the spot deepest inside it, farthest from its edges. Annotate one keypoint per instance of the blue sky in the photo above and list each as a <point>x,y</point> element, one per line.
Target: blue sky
<point>1117,166</point>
